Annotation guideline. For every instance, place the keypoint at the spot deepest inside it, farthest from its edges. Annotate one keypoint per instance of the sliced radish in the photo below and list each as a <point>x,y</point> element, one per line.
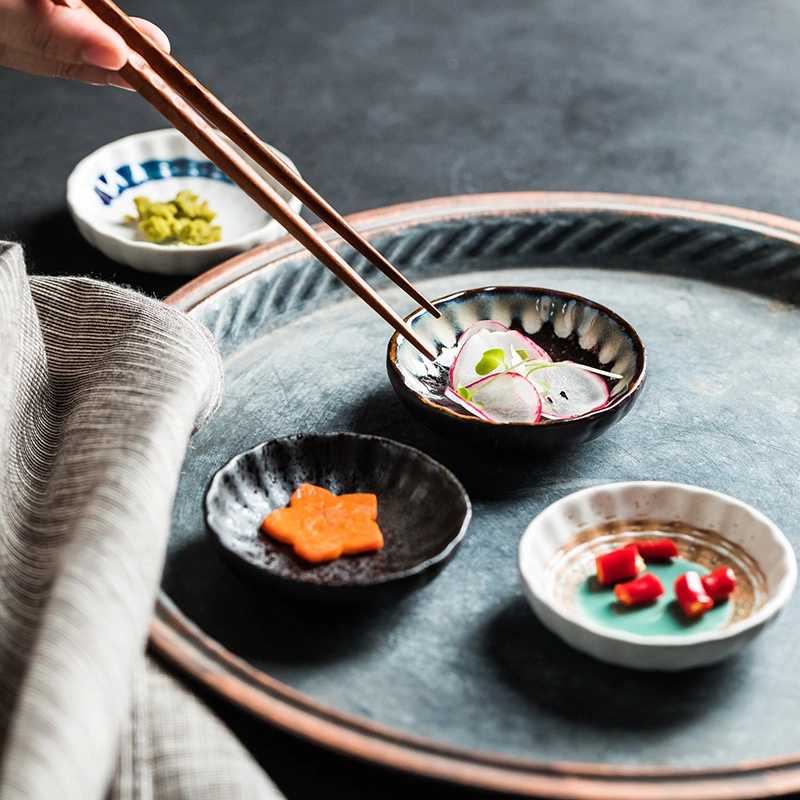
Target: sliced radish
<point>471,407</point>
<point>470,363</point>
<point>569,391</point>
<point>481,325</point>
<point>508,397</point>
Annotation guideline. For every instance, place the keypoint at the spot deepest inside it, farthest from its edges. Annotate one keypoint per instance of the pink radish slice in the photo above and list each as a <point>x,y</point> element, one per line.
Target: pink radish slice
<point>481,325</point>
<point>462,372</point>
<point>508,397</point>
<point>571,391</point>
<point>473,409</point>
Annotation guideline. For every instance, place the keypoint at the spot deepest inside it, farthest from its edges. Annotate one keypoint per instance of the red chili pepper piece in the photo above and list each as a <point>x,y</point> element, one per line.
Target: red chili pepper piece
<point>618,565</point>
<point>657,549</point>
<point>719,583</point>
<point>691,595</point>
<point>643,589</point>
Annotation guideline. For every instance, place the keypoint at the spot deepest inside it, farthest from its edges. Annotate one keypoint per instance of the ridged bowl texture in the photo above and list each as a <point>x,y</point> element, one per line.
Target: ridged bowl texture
<point>558,549</point>
<point>567,326</point>
<point>423,512</point>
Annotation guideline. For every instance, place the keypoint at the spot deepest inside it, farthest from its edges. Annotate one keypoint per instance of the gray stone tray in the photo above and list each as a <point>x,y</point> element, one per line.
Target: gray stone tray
<point>459,680</point>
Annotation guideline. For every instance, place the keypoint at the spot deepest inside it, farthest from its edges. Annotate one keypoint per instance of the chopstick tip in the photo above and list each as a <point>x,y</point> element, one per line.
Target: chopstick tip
<point>422,349</point>
<point>429,307</point>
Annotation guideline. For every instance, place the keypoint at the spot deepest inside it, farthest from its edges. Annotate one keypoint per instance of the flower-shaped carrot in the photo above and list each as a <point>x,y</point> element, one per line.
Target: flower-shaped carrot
<point>322,526</point>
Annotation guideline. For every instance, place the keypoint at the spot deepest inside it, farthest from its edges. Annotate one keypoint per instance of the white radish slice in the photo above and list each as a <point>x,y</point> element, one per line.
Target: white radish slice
<point>508,397</point>
<point>481,325</point>
<point>569,391</point>
<point>471,407</point>
<point>516,347</point>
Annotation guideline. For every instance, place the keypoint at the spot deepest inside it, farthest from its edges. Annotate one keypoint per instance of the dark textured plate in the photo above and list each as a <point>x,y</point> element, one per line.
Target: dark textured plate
<point>459,680</point>
<point>423,512</point>
<point>568,327</point>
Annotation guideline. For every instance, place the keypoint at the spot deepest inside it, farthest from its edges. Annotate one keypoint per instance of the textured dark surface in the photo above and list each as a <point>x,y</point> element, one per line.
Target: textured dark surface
<point>383,101</point>
<point>422,511</point>
<point>463,661</point>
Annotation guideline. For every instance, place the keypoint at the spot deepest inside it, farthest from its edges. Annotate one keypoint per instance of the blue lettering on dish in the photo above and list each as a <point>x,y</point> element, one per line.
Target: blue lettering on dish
<point>112,184</point>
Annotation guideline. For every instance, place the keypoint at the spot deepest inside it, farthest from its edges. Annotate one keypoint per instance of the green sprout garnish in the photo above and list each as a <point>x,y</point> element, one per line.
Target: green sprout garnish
<point>496,357</point>
<point>491,360</point>
<point>554,395</point>
<point>544,364</point>
<point>466,394</point>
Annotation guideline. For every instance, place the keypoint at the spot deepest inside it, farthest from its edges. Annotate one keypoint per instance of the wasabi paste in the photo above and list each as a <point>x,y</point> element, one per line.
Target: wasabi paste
<point>183,219</point>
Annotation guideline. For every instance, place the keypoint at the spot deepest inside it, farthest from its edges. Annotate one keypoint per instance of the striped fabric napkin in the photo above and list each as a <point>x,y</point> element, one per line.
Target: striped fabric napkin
<point>100,389</point>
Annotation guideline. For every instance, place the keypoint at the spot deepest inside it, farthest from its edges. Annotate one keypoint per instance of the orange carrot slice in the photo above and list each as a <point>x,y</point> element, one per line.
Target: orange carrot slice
<point>362,535</point>
<point>307,493</point>
<point>358,504</point>
<point>322,526</point>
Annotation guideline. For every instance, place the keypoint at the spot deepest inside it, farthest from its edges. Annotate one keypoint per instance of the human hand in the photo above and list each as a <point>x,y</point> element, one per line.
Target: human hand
<point>62,38</point>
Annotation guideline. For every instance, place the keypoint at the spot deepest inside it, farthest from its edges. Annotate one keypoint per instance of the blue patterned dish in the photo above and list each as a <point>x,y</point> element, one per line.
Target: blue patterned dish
<point>567,326</point>
<point>159,164</point>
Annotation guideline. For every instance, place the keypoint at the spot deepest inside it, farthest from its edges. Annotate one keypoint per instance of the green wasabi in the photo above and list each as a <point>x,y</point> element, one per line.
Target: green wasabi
<point>184,219</point>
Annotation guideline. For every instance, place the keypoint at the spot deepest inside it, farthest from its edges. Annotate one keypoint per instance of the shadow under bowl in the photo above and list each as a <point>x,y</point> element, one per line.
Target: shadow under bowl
<point>423,512</point>
<point>567,326</point>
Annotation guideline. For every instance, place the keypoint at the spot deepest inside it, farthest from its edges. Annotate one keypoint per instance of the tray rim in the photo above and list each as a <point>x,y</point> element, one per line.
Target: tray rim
<point>184,645</point>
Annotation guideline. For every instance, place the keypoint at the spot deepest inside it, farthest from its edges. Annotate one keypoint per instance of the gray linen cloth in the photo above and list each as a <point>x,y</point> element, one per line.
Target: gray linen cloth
<point>100,389</point>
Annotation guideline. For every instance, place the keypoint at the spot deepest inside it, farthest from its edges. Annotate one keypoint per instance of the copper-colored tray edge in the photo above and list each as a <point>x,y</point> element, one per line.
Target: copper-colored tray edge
<point>299,714</point>
<point>403,214</point>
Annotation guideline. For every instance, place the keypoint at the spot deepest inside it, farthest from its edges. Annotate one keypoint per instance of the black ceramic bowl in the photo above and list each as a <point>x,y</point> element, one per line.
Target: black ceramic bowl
<point>423,512</point>
<point>567,326</point>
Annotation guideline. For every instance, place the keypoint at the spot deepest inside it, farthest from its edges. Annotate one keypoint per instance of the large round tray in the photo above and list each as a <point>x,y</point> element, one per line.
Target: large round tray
<point>459,681</point>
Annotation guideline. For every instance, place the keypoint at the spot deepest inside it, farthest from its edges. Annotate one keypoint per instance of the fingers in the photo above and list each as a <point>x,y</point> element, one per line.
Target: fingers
<point>39,65</point>
<point>60,33</point>
<point>46,37</point>
<point>154,32</point>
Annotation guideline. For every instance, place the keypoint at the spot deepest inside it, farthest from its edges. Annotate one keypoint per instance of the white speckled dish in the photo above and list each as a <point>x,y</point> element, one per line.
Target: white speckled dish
<point>558,549</point>
<point>158,164</point>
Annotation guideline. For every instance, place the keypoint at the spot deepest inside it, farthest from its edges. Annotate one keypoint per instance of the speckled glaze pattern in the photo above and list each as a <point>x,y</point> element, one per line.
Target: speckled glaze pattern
<point>423,512</point>
<point>558,548</point>
<point>568,327</point>
<point>459,680</point>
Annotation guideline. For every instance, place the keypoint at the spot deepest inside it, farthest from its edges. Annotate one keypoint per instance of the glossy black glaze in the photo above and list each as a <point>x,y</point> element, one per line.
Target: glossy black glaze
<point>508,304</point>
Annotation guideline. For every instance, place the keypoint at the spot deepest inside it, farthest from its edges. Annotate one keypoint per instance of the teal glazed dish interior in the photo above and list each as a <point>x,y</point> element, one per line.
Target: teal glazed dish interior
<point>710,530</point>
<point>568,327</point>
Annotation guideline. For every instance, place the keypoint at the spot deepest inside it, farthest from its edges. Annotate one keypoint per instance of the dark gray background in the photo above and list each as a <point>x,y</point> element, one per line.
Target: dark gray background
<point>386,101</point>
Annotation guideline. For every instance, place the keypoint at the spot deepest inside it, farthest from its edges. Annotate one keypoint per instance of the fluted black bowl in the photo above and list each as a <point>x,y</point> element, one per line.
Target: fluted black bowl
<point>567,326</point>
<point>423,512</point>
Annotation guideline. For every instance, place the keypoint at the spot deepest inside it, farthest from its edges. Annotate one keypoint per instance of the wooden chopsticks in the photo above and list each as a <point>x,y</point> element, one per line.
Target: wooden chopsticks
<point>178,96</point>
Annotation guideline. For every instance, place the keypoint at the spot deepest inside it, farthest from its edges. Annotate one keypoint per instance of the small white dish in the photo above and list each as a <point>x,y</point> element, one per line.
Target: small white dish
<point>159,164</point>
<point>558,548</point>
